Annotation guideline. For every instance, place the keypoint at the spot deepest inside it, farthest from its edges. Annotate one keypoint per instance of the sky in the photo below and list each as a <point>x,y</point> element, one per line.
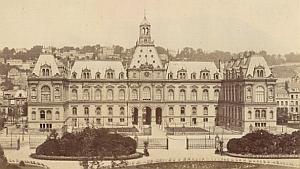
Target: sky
<point>228,25</point>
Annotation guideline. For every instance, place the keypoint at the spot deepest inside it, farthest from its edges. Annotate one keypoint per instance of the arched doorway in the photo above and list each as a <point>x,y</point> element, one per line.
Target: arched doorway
<point>147,116</point>
<point>135,116</point>
<point>158,115</point>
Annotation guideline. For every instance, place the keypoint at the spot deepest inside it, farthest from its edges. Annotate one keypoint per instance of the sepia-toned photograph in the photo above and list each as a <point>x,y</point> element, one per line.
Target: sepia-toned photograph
<point>149,84</point>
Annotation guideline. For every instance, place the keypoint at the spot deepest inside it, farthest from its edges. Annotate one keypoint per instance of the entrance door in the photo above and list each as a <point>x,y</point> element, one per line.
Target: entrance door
<point>147,118</point>
<point>135,116</point>
<point>158,115</point>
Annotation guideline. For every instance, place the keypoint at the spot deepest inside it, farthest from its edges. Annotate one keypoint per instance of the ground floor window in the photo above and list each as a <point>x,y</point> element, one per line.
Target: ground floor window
<point>98,121</point>
<point>260,124</point>
<point>171,120</point>
<point>110,120</point>
<point>182,119</point>
<point>45,126</point>
<point>74,122</point>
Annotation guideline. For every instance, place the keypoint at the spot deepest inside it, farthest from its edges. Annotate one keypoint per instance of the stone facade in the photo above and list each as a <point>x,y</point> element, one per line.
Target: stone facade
<point>147,92</point>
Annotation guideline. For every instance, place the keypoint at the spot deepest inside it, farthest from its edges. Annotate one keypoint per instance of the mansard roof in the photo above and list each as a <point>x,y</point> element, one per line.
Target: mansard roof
<point>46,59</point>
<point>192,67</point>
<point>96,66</point>
<point>145,55</point>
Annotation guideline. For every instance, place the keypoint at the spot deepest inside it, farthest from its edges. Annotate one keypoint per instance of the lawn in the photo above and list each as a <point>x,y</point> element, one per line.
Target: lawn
<point>205,165</point>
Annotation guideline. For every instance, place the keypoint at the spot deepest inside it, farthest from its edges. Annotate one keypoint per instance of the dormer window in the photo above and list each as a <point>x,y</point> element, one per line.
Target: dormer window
<point>170,76</point>
<point>121,75</point>
<point>193,76</point>
<point>86,74</point>
<point>45,70</point>
<point>205,74</point>
<point>74,74</point>
<point>181,74</point>
<point>216,76</point>
<point>110,74</point>
<point>98,75</point>
<point>259,71</point>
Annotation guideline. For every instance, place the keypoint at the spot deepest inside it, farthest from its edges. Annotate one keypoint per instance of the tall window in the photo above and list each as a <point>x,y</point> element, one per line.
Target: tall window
<point>57,115</point>
<point>86,94</point>
<point>271,114</point>
<point>194,110</point>
<point>182,95</point>
<point>57,93</point>
<point>74,111</point>
<point>171,94</point>
<point>49,115</point>
<point>110,110</point>
<point>158,94</point>
<point>42,115</point>
<point>45,94</point>
<point>122,94</point>
<point>182,110</point>
<point>216,94</point>
<point>134,95</point>
<point>260,94</point>
<point>74,74</point>
<point>98,75</point>
<point>98,94</point>
<point>122,111</point>
<point>205,110</point>
<point>121,75</point>
<point>194,95</point>
<point>249,114</point>
<point>263,114</point>
<point>171,111</point>
<point>205,95</point>
<point>146,93</point>
<point>98,111</point>
<point>257,114</point>
<point>109,95</point>
<point>33,93</point>
<point>33,115</point>
<point>86,111</point>
<point>74,95</point>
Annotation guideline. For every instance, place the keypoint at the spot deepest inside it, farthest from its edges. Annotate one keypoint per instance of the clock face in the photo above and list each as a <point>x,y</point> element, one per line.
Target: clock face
<point>147,74</point>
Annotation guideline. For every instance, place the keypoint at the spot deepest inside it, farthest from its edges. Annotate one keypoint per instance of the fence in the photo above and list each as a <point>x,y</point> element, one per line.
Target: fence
<point>153,143</point>
<point>10,142</point>
<point>34,164</point>
<point>204,143</point>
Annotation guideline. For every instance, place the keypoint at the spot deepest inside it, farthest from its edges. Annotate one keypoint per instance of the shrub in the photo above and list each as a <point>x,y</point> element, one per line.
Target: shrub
<point>262,142</point>
<point>89,142</point>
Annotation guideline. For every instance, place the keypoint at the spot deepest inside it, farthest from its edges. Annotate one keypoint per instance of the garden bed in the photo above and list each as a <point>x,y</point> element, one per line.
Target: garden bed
<point>65,158</point>
<point>269,156</point>
<point>205,165</point>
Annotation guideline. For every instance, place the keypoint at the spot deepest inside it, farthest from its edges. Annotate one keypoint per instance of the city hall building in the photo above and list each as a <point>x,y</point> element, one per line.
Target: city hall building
<point>237,95</point>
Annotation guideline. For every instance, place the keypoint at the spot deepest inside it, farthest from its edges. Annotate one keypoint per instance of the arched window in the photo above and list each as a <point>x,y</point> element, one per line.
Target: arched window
<point>33,115</point>
<point>43,72</point>
<point>49,115</point>
<point>74,74</point>
<point>86,94</point>
<point>98,94</point>
<point>193,76</point>
<point>98,75</point>
<point>171,111</point>
<point>271,114</point>
<point>249,114</point>
<point>263,114</point>
<point>121,75</point>
<point>86,111</point>
<point>194,95</point>
<point>182,110</point>
<point>122,111</point>
<point>74,94</point>
<point>42,115</point>
<point>98,111</point>
<point>158,94</point>
<point>110,111</point>
<point>134,95</point>
<point>171,94</point>
<point>216,94</point>
<point>194,110</point>
<point>47,72</point>
<point>260,94</point>
<point>182,95</point>
<point>45,94</point>
<point>146,93</point>
<point>57,93</point>
<point>122,94</point>
<point>74,111</point>
<point>205,95</point>
<point>109,94</point>
<point>57,115</point>
<point>205,110</point>
<point>257,114</point>
<point>170,76</point>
